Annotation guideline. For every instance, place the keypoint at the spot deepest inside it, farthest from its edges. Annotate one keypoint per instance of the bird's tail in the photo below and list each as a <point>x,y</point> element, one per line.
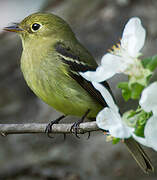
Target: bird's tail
<point>139,155</point>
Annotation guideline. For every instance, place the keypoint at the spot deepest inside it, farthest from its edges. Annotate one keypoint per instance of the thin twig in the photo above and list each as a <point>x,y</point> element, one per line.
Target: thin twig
<point>6,129</point>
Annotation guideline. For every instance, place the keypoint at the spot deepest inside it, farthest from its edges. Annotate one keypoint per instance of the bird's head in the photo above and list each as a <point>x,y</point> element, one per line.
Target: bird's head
<point>41,26</point>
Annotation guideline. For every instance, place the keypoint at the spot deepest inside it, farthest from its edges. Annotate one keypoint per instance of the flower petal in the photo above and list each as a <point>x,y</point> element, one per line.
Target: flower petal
<point>150,132</point>
<point>148,99</point>
<point>110,65</point>
<point>133,37</point>
<point>106,95</point>
<point>98,76</point>
<point>107,119</point>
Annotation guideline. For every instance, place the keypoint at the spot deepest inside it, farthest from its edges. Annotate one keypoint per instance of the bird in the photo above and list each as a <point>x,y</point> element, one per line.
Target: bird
<point>51,62</point>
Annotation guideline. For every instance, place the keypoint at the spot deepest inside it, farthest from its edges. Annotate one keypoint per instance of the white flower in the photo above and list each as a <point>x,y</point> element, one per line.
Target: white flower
<point>148,102</point>
<point>109,118</point>
<point>124,57</point>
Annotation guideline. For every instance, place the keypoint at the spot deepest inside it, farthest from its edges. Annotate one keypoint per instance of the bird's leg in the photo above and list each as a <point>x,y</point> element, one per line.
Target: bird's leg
<point>49,126</point>
<point>74,128</point>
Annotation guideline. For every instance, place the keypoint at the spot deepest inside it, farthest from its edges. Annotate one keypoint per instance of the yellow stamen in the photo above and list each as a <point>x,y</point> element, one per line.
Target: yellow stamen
<point>114,48</point>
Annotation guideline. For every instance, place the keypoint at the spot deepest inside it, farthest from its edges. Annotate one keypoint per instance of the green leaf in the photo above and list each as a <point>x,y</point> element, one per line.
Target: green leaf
<point>115,140</point>
<point>142,118</point>
<point>153,64</point>
<point>146,61</point>
<point>136,90</point>
<point>123,85</point>
<point>150,63</point>
<point>139,131</point>
<point>132,90</point>
<point>126,93</point>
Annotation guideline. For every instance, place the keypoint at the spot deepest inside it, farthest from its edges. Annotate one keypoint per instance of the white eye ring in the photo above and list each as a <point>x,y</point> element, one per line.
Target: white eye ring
<point>36,27</point>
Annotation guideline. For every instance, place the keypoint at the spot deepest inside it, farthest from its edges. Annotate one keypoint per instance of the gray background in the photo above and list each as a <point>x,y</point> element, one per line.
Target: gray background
<point>98,24</point>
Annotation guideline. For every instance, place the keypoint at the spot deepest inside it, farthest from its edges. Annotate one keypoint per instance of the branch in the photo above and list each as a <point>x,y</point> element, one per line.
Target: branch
<point>6,129</point>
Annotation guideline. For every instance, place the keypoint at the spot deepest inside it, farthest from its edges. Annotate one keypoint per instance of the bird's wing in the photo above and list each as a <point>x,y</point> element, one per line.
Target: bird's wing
<point>76,65</point>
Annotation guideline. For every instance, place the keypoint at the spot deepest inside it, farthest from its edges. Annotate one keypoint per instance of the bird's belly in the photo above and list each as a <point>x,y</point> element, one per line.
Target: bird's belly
<point>65,95</point>
<point>70,101</point>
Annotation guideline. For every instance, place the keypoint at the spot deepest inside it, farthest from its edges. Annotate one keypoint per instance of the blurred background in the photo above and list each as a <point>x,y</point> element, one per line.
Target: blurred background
<point>98,24</point>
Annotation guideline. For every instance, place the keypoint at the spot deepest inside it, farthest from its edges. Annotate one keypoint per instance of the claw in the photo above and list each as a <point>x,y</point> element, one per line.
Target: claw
<point>48,129</point>
<point>75,127</point>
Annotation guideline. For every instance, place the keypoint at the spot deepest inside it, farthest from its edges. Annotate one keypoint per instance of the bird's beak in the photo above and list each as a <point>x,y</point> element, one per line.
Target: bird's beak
<point>14,28</point>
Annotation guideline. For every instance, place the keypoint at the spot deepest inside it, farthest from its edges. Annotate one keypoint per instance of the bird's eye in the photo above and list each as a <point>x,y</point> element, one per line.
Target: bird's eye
<point>36,26</point>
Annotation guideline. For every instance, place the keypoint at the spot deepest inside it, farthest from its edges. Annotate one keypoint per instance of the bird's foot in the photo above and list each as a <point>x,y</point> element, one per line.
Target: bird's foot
<point>75,127</point>
<point>48,129</point>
